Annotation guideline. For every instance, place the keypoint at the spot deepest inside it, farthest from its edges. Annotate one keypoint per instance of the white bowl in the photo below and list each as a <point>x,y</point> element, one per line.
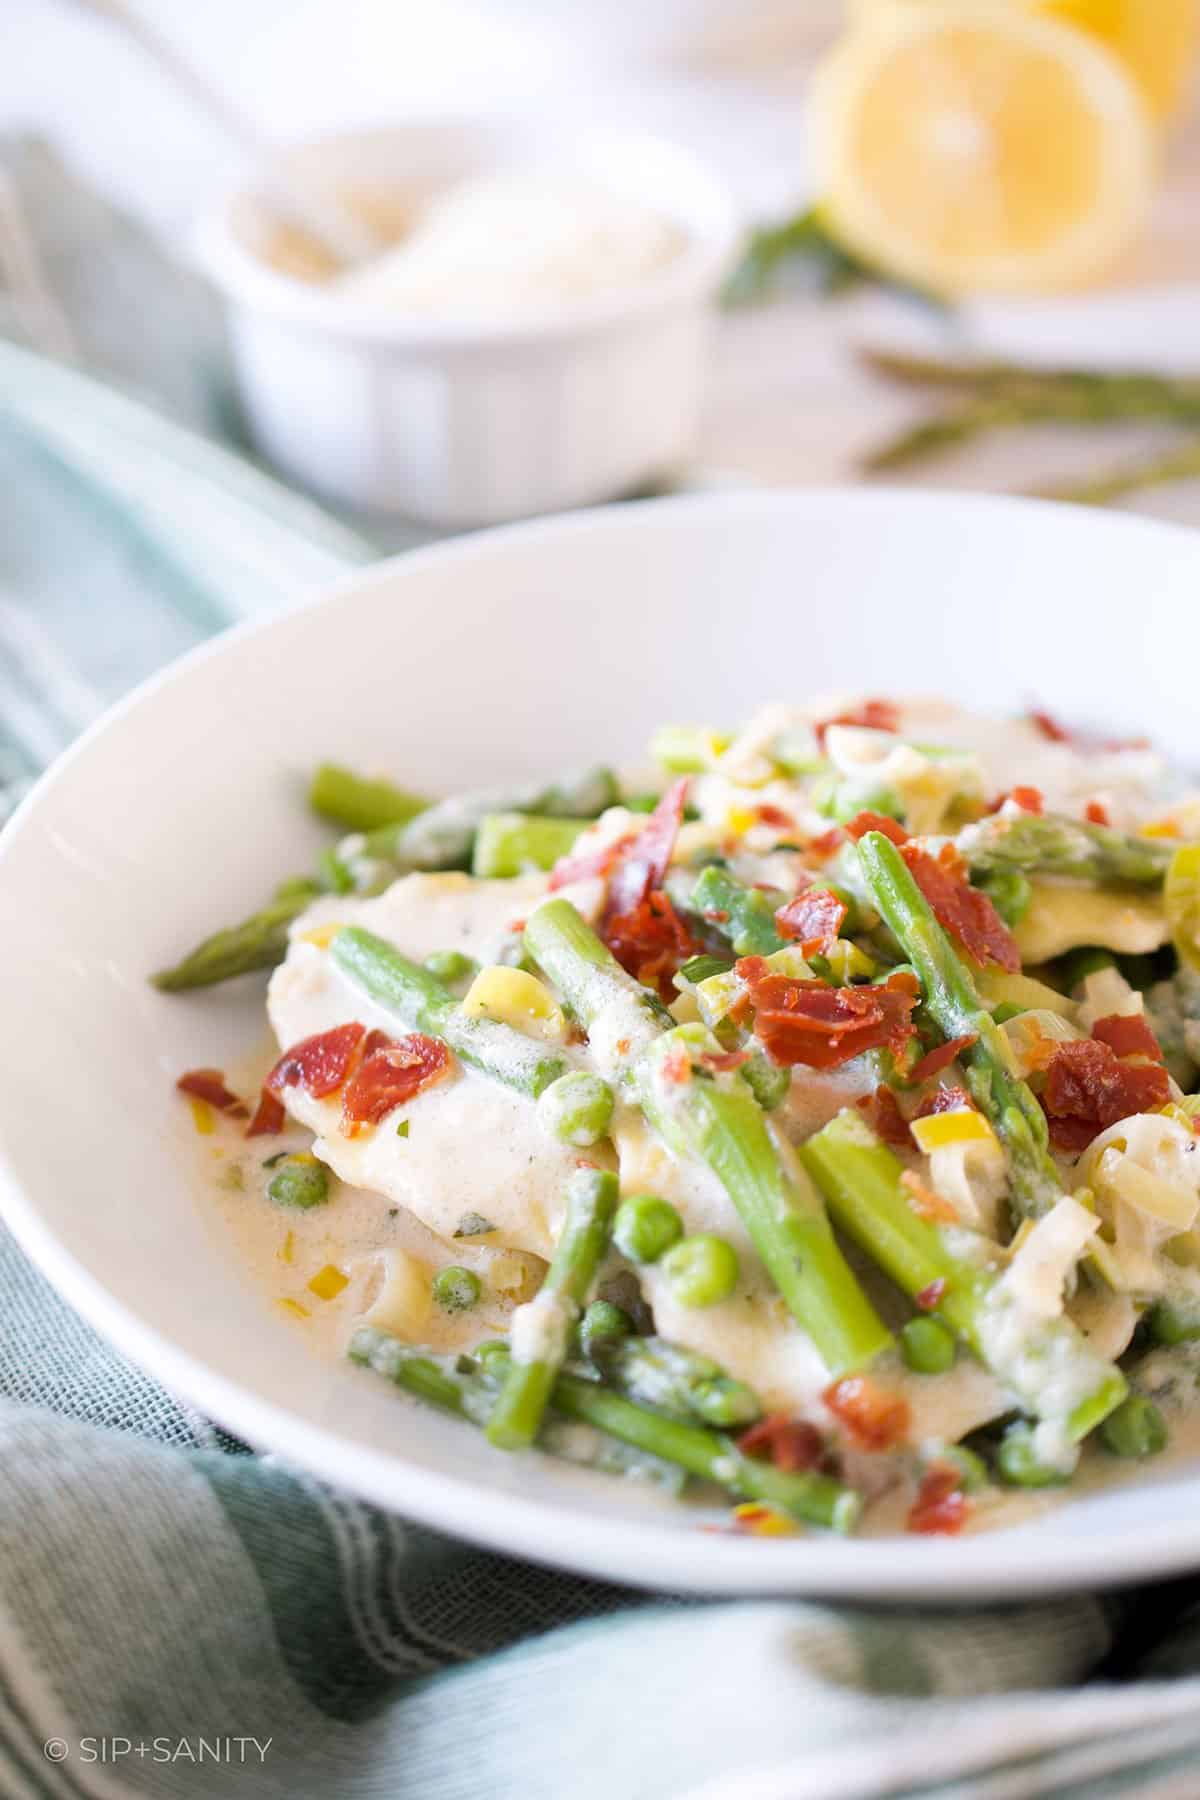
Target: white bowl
<point>532,649</point>
<point>476,420</point>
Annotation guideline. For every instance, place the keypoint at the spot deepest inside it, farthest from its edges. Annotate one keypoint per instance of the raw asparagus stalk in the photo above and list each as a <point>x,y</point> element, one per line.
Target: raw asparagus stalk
<point>1039,1362</point>
<point>674,1380</point>
<point>421,1003</point>
<point>816,1499</point>
<point>1114,393</point>
<point>1051,844</point>
<point>357,802</point>
<point>1181,463</point>
<point>511,843</point>
<point>1005,394</point>
<point>719,1123</point>
<point>541,1329</point>
<point>952,1001</point>
<point>950,430</point>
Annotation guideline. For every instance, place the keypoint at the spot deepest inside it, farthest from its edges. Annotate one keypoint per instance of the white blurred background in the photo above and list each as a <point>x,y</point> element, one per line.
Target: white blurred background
<point>710,69</point>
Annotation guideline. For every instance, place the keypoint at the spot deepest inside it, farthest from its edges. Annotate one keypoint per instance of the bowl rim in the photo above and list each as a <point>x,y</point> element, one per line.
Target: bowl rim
<point>1006,1564</point>
<point>711,226</point>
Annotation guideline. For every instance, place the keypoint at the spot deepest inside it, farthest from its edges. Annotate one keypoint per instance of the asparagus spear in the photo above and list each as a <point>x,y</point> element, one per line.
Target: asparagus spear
<point>1180,463</point>
<point>439,837</point>
<point>541,1329</point>
<point>510,843</point>
<point>357,803</point>
<point>744,915</point>
<point>720,1123</point>
<point>1005,394</point>
<point>1051,844</point>
<point>674,1380</point>
<point>1039,1361</point>
<point>953,1003</point>
<point>422,1003</point>
<point>947,431</point>
<point>442,837</point>
<point>1114,393</point>
<point>817,1499</point>
<point>259,942</point>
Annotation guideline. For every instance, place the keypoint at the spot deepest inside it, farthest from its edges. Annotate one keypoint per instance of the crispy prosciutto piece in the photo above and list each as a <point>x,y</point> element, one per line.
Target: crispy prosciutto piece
<point>590,863</point>
<point>1029,799</point>
<point>1128,1034</point>
<point>1057,733</point>
<point>882,1111</point>
<point>651,941</point>
<point>644,861</point>
<point>639,923</point>
<point>269,1116</point>
<point>1051,730</point>
<point>1089,1087</point>
<point>392,1071</point>
<point>873,1417</point>
<point>874,715</point>
<point>813,919</point>
<point>940,1505</point>
<point>209,1085</point>
<point>820,849</point>
<point>961,909</point>
<point>931,1297</point>
<point>946,1099</point>
<point>820,1026</point>
<point>863,822</point>
<point>791,1444</point>
<point>318,1064</point>
<point>934,1061</point>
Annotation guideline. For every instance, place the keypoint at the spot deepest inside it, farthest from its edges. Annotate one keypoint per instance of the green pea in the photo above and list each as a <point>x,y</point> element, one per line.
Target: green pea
<point>645,1227</point>
<point>1171,1323</point>
<point>299,1180</point>
<point>451,966</point>
<point>701,1270</point>
<point>1017,1462</point>
<point>456,1289</point>
<point>973,1470</point>
<point>1136,1428</point>
<point>578,1108</point>
<point>927,1346</point>
<point>603,1324</point>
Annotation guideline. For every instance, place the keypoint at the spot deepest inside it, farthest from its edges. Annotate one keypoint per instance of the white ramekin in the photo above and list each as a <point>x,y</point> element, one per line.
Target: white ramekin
<point>475,420</point>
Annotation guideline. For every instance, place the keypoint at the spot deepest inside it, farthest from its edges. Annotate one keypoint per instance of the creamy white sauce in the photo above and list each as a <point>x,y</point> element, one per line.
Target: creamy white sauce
<point>515,241</point>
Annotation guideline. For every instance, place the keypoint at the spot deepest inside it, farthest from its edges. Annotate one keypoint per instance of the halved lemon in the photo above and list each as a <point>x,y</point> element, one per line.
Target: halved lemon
<point>980,148</point>
<point>1156,40</point>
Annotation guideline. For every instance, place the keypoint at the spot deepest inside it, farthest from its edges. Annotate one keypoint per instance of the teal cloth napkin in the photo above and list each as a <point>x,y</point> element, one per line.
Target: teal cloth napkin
<point>181,1618</point>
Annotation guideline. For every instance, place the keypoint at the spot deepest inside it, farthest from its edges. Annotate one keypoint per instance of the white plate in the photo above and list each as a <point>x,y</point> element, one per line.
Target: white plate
<point>529,650</point>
